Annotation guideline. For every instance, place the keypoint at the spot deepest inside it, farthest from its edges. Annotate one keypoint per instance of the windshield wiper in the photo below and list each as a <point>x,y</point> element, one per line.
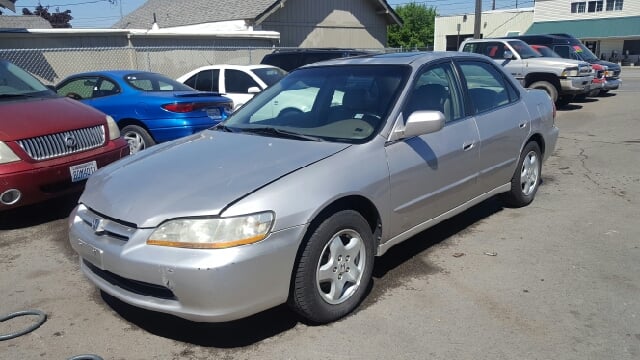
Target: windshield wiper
<point>271,131</point>
<point>223,127</point>
<point>15,95</point>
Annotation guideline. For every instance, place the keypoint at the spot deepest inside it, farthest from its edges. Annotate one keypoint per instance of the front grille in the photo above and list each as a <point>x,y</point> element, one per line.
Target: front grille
<point>102,225</point>
<point>134,286</point>
<point>63,143</point>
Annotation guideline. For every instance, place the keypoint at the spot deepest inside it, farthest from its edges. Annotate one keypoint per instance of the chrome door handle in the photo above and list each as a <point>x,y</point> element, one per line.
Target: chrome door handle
<point>467,146</point>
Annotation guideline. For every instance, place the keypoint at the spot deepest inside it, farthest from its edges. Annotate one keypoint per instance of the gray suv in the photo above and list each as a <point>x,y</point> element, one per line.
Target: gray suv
<point>561,78</point>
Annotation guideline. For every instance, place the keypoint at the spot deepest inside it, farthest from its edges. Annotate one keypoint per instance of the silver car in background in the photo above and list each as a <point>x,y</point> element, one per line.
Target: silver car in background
<point>282,205</point>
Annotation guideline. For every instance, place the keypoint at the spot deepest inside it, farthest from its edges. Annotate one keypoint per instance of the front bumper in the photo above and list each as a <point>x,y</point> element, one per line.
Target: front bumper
<point>42,180</point>
<point>208,285</point>
<point>612,84</point>
<point>575,85</point>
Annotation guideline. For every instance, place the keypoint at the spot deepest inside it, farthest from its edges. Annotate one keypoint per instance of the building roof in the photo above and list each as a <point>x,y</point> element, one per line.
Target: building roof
<point>590,28</point>
<point>171,13</point>
<point>23,22</point>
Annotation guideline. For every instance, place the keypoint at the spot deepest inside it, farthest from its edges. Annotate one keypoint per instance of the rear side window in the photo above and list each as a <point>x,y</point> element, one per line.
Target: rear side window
<point>206,80</point>
<point>486,86</point>
<point>285,61</point>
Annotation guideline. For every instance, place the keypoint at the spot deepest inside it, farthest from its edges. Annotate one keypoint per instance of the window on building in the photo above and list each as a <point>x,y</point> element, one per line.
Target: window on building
<point>578,7</point>
<point>595,6</point>
<point>614,5</point>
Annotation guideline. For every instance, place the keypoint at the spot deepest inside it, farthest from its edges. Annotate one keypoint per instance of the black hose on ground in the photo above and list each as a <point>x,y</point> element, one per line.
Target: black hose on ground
<point>42,317</point>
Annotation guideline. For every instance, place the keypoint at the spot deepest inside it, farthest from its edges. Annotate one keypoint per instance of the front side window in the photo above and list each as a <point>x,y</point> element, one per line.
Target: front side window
<point>563,50</point>
<point>522,48</point>
<point>236,81</point>
<point>436,89</point>
<point>487,88</point>
<point>81,88</point>
<point>333,103</point>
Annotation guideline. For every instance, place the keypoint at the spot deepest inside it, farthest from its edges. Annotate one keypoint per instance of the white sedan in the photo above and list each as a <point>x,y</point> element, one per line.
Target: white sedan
<point>238,82</point>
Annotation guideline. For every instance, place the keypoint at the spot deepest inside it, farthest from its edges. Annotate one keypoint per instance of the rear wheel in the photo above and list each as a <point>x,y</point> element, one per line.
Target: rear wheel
<point>137,137</point>
<point>526,179</point>
<point>546,86</point>
<point>334,269</point>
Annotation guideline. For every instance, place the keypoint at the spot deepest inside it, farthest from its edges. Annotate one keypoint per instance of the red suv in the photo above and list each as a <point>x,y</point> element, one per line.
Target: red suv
<point>49,145</point>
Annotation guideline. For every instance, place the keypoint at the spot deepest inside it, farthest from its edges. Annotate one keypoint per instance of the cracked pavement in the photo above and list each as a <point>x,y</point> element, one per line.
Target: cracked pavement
<point>563,283</point>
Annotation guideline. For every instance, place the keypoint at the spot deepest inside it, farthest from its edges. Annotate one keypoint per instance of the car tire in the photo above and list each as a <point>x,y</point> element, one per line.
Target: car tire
<point>334,268</point>
<point>546,86</point>
<point>603,92</point>
<point>137,137</point>
<point>526,178</point>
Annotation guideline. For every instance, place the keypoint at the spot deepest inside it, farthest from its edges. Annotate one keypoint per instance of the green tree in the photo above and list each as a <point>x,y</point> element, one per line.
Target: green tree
<point>417,30</point>
<point>58,19</point>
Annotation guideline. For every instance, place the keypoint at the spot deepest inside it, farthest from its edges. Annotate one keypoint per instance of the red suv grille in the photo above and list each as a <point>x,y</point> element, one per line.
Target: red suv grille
<point>63,143</point>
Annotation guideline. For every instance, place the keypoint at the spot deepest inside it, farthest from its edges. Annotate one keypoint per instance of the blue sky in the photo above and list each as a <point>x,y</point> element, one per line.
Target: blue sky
<point>103,14</point>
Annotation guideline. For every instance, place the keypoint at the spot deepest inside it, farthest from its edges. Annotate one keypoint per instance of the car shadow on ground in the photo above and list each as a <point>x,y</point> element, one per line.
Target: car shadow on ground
<point>398,264</point>
<point>36,214</point>
<point>569,107</point>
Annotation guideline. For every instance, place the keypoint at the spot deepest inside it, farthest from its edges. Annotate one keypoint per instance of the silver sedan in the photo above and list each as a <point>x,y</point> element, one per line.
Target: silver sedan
<point>283,203</point>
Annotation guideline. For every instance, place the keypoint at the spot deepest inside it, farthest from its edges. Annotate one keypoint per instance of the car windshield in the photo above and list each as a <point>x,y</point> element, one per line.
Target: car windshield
<point>330,103</point>
<point>584,52</point>
<point>270,75</point>
<point>154,82</point>
<point>15,82</point>
<point>546,52</point>
<point>525,51</point>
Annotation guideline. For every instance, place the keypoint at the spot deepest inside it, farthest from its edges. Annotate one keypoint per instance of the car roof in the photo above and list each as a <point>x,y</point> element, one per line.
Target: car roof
<point>114,73</point>
<point>400,58</point>
<point>239,67</point>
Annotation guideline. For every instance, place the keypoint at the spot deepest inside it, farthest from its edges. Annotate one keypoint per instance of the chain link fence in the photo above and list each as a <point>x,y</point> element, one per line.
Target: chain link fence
<point>54,64</point>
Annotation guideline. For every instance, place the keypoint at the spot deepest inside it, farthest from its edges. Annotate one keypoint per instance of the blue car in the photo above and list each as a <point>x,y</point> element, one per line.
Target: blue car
<point>149,108</point>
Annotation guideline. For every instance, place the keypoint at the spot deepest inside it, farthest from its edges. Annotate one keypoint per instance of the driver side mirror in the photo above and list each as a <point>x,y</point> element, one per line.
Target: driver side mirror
<point>419,123</point>
<point>253,90</point>
<point>508,55</point>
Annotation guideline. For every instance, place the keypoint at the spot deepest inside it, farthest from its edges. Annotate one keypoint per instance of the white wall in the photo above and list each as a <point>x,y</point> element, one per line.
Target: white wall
<point>495,23</point>
<point>554,10</point>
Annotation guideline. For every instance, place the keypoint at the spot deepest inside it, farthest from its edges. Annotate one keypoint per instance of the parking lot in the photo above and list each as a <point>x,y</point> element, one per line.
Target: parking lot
<point>555,280</point>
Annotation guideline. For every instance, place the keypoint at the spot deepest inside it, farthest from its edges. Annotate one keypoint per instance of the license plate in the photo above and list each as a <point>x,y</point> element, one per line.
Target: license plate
<point>214,113</point>
<point>82,171</point>
<point>90,253</point>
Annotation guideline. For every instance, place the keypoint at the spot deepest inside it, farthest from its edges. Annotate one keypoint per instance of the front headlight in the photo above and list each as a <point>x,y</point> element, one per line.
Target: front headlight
<point>114,130</point>
<point>216,233</point>
<point>572,71</point>
<point>6,154</point>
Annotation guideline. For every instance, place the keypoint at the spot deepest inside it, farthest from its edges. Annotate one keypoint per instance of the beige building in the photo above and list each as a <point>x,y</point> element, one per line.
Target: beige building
<point>450,31</point>
<point>610,28</point>
<point>300,23</point>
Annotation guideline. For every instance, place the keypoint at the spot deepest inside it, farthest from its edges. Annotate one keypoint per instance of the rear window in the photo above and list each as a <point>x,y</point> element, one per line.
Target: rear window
<point>154,82</point>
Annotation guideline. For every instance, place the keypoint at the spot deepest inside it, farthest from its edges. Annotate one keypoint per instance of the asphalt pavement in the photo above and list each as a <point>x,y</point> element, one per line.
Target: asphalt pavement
<point>555,280</point>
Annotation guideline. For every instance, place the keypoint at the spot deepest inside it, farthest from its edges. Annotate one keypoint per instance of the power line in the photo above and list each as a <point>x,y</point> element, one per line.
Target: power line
<point>70,4</point>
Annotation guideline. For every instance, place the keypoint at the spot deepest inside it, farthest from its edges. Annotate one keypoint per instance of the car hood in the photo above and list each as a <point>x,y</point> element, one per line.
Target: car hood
<point>31,117</point>
<point>558,61</point>
<point>198,175</point>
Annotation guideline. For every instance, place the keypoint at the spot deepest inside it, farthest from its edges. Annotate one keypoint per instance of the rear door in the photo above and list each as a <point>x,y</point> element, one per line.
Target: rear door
<point>502,118</point>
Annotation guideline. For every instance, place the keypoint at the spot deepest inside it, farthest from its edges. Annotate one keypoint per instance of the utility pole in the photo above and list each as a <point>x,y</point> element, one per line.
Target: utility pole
<point>477,20</point>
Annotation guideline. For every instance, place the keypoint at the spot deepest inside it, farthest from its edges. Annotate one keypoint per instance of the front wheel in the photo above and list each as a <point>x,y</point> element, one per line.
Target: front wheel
<point>526,179</point>
<point>546,86</point>
<point>137,137</point>
<point>334,269</point>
